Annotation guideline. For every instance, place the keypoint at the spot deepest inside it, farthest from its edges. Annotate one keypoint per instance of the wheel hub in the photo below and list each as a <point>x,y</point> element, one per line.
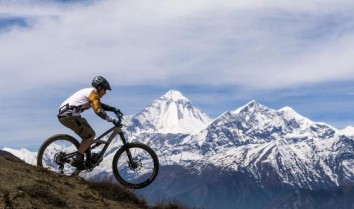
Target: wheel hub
<point>135,165</point>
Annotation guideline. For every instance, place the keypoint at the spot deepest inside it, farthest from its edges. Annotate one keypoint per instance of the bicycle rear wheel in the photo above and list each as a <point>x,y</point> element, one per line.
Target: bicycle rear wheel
<point>139,172</point>
<point>56,153</point>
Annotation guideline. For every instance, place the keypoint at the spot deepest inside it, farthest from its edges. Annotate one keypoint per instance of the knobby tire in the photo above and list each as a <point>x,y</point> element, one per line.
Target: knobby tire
<point>147,166</point>
<point>53,146</point>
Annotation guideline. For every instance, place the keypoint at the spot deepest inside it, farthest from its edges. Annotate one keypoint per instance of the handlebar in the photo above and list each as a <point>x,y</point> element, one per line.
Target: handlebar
<point>120,118</point>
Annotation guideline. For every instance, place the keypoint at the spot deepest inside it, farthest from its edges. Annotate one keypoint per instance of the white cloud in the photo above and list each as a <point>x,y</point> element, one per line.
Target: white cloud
<point>262,44</point>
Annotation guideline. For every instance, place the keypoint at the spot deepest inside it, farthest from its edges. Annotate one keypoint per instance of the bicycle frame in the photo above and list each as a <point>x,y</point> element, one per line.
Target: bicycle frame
<point>115,130</point>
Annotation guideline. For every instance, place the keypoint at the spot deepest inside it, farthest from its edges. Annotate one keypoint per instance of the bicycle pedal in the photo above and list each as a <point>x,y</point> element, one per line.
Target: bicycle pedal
<point>61,171</point>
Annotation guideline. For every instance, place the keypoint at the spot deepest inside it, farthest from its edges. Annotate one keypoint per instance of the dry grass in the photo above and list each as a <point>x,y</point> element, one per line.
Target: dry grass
<point>115,192</point>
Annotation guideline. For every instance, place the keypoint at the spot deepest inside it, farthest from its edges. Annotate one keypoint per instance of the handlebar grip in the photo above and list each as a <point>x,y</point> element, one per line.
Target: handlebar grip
<point>119,114</point>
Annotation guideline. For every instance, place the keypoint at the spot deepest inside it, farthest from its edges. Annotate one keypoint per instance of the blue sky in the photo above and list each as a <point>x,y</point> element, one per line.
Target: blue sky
<point>219,54</point>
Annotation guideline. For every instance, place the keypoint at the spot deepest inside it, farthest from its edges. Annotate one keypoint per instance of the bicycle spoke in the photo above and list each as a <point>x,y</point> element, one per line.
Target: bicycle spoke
<point>136,168</point>
<point>140,168</point>
<point>55,157</point>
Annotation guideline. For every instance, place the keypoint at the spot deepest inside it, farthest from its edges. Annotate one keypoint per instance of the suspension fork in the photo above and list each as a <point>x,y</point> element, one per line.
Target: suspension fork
<point>131,162</point>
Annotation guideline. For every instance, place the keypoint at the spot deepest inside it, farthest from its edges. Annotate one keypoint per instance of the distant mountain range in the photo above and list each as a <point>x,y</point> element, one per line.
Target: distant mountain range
<point>246,158</point>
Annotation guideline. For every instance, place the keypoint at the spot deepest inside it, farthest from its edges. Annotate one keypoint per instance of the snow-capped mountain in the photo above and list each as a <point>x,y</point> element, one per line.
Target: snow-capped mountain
<point>261,141</point>
<point>171,113</point>
<point>257,153</point>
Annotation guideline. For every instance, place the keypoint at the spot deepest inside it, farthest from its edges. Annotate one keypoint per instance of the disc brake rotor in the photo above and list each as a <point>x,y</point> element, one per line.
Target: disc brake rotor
<point>136,165</point>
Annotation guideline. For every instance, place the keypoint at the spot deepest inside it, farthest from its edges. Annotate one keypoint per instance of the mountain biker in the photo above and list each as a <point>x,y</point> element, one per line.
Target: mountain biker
<point>70,115</point>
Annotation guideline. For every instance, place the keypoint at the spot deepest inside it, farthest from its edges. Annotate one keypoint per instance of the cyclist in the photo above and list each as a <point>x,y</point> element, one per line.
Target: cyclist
<point>70,115</point>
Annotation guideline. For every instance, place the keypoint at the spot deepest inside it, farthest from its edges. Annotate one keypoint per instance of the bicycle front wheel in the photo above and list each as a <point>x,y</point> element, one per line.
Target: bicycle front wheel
<point>56,153</point>
<point>135,165</point>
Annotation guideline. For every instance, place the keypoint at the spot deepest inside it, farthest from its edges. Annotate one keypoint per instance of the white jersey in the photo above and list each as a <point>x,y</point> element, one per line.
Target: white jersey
<point>83,100</point>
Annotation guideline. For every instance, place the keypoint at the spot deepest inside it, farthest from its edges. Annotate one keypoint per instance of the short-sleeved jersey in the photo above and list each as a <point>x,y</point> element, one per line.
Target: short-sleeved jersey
<point>83,100</point>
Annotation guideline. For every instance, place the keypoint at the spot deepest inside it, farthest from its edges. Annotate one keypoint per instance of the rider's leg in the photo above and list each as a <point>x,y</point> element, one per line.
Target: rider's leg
<point>81,127</point>
<point>85,145</point>
<point>79,158</point>
<point>88,135</point>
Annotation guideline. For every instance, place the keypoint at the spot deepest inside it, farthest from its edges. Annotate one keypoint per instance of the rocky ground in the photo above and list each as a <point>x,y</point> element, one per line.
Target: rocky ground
<point>25,186</point>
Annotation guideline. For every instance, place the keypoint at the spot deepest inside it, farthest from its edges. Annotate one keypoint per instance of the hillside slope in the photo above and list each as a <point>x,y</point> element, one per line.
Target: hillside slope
<point>26,186</point>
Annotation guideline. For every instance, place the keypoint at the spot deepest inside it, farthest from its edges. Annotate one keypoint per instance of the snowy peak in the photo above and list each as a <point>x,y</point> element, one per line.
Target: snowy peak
<point>175,96</point>
<point>254,115</point>
<point>290,113</point>
<point>348,131</point>
<point>171,113</point>
<point>251,106</point>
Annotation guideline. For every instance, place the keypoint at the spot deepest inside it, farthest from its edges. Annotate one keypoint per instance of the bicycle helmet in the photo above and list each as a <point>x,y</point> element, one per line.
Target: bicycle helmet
<point>100,81</point>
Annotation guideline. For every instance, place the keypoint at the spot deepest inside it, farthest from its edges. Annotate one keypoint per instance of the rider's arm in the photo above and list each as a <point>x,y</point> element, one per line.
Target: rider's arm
<point>97,106</point>
<point>108,108</point>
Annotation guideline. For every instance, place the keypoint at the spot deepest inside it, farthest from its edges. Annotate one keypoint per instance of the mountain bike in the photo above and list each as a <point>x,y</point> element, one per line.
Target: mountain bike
<point>135,165</point>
